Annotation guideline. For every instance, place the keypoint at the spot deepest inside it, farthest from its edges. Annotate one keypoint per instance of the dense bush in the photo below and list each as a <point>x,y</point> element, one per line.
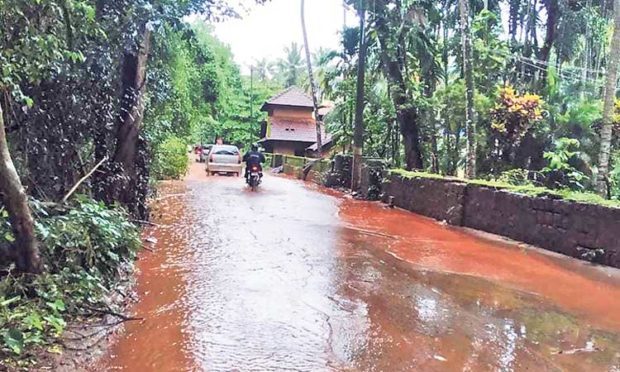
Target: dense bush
<point>562,170</point>
<point>514,114</point>
<point>84,249</point>
<point>170,160</point>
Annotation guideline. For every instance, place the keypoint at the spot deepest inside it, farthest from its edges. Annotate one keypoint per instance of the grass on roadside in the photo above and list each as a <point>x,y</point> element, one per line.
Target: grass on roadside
<point>531,190</point>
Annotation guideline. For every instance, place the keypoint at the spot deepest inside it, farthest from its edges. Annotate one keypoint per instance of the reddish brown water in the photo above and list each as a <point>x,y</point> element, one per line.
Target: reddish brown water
<point>298,278</point>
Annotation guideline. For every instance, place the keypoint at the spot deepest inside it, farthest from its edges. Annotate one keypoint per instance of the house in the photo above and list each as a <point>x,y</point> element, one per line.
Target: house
<point>290,128</point>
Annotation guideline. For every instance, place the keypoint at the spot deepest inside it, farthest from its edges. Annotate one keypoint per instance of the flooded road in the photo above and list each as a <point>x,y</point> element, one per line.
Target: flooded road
<point>298,278</point>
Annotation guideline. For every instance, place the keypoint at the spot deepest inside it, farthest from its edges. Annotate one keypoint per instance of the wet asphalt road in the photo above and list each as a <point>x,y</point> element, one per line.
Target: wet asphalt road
<point>302,279</point>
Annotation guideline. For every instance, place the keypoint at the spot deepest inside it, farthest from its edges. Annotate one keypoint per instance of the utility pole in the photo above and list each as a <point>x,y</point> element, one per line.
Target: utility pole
<point>319,136</point>
<point>358,132</point>
<point>251,93</point>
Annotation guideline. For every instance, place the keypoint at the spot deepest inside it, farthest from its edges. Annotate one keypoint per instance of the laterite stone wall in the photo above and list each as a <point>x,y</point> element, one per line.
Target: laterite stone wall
<point>585,231</point>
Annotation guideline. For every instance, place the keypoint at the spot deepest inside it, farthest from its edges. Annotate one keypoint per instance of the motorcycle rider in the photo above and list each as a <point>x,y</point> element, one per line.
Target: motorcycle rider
<point>251,158</point>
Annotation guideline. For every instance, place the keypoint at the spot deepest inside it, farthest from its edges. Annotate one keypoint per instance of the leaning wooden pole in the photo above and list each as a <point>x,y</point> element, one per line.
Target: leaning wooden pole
<point>319,135</point>
<point>15,200</point>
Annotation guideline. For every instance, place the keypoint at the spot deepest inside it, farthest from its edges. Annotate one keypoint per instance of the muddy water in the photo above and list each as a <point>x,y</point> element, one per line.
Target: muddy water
<point>158,342</point>
<point>296,278</point>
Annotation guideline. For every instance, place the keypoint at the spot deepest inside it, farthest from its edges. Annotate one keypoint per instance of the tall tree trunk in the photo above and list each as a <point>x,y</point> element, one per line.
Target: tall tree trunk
<point>585,64</point>
<point>608,109</point>
<point>358,135</point>
<point>451,148</point>
<point>553,15</point>
<point>406,114</point>
<point>470,120</point>
<point>134,88</point>
<point>319,136</point>
<point>434,148</point>
<point>430,118</point>
<point>14,198</point>
<point>407,119</point>
<point>129,188</point>
<point>513,19</point>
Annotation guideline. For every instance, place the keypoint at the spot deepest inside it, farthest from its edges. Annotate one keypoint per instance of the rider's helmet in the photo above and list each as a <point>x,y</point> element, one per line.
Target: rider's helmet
<point>254,147</point>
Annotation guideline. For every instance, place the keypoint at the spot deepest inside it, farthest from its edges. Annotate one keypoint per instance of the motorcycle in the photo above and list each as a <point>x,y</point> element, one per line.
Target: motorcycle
<point>254,177</point>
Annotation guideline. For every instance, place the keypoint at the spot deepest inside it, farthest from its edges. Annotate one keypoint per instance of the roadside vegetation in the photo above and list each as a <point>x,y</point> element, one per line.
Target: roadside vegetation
<point>87,249</point>
<point>540,73</point>
<point>98,99</point>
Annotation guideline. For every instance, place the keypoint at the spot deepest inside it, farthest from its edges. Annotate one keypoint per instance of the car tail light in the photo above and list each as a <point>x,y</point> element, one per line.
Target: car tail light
<point>239,158</point>
<point>211,159</point>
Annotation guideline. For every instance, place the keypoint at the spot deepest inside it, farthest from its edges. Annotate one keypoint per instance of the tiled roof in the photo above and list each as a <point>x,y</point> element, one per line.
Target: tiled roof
<point>300,130</point>
<point>327,140</point>
<point>292,96</point>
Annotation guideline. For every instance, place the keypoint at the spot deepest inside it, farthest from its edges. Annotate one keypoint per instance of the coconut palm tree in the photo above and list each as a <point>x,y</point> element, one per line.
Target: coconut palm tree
<point>263,69</point>
<point>291,67</point>
<point>470,121</point>
<point>608,109</point>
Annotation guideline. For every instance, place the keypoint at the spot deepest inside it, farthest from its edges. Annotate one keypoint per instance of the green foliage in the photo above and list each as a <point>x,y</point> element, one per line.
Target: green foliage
<point>614,176</point>
<point>291,67</point>
<point>490,51</point>
<point>561,171</point>
<point>516,177</point>
<point>84,250</point>
<point>170,161</point>
<point>451,103</point>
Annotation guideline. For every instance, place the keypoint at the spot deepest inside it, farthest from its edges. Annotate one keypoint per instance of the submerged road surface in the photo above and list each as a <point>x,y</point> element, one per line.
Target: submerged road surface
<point>295,278</point>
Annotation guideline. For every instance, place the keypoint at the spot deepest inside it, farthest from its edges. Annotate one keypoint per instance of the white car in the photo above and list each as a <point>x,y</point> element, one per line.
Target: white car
<point>224,159</point>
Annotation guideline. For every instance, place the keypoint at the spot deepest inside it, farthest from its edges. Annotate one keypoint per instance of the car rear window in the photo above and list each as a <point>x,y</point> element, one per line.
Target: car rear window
<point>226,151</point>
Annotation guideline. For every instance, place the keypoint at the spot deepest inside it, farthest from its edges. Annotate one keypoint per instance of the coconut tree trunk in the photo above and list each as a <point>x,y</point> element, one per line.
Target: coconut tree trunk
<point>358,135</point>
<point>470,120</point>
<point>608,108</point>
<point>15,200</point>
<point>319,136</point>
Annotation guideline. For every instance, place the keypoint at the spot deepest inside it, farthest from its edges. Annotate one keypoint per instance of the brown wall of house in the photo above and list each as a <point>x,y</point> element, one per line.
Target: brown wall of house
<point>289,148</point>
<point>292,112</point>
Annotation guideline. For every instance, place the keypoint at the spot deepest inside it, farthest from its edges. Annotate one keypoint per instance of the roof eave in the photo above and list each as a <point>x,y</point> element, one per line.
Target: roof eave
<point>283,140</point>
<point>266,106</point>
